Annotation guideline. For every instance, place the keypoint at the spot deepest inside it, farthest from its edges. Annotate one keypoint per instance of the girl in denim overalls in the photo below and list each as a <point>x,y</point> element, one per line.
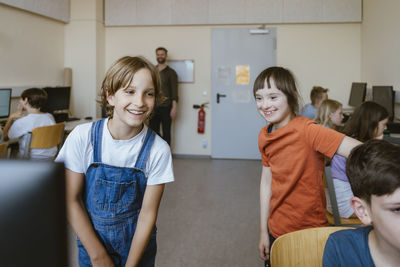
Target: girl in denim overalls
<point>116,170</point>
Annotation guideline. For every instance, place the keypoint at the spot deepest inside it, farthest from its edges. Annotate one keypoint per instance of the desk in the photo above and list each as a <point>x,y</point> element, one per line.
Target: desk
<point>70,125</point>
<point>393,138</point>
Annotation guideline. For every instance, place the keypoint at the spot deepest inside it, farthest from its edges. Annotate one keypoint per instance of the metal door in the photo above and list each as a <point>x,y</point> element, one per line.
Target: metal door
<point>238,55</point>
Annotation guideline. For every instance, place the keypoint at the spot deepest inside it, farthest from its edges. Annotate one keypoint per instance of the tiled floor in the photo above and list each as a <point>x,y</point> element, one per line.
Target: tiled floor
<point>209,216</point>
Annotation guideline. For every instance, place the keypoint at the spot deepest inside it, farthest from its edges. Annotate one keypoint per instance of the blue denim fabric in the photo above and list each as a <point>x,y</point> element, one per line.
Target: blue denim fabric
<point>113,199</point>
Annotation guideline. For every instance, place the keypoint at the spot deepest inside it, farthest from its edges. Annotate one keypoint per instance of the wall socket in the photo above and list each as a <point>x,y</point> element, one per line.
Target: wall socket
<point>204,143</point>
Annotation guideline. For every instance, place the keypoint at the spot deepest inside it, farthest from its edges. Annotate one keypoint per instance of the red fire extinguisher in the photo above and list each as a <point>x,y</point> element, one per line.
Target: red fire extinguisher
<point>201,121</point>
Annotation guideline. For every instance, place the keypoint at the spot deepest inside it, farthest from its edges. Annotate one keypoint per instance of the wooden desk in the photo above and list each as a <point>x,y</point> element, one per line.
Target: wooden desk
<point>70,125</point>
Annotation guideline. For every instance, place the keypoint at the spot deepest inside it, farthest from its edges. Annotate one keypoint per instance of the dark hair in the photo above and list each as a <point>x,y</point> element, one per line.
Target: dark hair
<point>364,121</point>
<point>317,93</point>
<point>37,97</point>
<point>284,81</point>
<point>162,48</point>
<point>121,73</point>
<point>373,168</point>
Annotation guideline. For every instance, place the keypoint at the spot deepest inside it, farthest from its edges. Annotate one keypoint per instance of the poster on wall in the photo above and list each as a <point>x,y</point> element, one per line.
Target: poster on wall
<point>242,74</point>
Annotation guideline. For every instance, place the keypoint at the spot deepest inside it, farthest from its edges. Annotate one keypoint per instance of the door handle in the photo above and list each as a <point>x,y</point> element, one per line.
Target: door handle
<point>218,96</point>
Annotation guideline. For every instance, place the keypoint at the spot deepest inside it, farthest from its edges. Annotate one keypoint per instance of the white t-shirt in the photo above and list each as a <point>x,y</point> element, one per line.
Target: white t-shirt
<point>24,125</point>
<point>77,153</point>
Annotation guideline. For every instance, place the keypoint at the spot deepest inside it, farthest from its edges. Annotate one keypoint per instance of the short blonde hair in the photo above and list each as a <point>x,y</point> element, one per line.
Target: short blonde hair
<point>327,107</point>
<point>121,73</point>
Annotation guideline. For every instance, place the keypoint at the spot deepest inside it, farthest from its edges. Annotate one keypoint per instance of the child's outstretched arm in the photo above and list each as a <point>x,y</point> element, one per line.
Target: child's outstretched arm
<point>147,219</point>
<point>346,146</point>
<point>79,220</point>
<point>265,196</point>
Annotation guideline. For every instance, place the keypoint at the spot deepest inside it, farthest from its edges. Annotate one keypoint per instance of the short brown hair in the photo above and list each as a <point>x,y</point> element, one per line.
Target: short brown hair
<point>373,168</point>
<point>284,81</point>
<point>37,97</point>
<point>121,73</point>
<point>162,48</point>
<point>317,92</point>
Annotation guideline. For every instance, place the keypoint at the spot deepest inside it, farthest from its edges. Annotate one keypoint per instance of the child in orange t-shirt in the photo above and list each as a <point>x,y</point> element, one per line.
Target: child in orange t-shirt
<point>292,149</point>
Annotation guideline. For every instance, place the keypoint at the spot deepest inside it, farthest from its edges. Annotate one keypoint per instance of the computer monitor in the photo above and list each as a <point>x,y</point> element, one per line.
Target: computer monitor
<point>5,101</point>
<point>384,95</point>
<point>57,99</point>
<point>32,214</point>
<point>357,94</point>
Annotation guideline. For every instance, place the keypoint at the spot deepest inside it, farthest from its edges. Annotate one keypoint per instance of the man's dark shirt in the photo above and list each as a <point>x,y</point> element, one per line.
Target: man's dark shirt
<point>169,86</point>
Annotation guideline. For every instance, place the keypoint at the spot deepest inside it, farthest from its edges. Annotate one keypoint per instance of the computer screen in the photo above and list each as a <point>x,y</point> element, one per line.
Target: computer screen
<point>357,94</point>
<point>5,100</point>
<point>32,214</point>
<point>57,98</point>
<point>384,95</point>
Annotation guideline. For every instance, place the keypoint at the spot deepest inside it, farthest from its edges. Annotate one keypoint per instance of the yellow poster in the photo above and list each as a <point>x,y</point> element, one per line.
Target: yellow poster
<point>242,74</point>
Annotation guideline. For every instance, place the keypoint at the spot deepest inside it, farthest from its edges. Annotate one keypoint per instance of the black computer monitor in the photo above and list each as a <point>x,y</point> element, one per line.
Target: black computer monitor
<point>357,94</point>
<point>58,99</point>
<point>32,214</point>
<point>384,95</point>
<point>5,101</point>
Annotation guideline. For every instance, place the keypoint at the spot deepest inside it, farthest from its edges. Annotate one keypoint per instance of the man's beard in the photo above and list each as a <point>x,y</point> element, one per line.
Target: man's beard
<point>161,60</point>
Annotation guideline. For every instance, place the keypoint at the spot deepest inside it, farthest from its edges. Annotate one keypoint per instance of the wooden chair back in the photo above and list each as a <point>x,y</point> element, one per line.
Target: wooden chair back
<point>3,150</point>
<point>334,217</point>
<point>45,137</point>
<point>301,248</point>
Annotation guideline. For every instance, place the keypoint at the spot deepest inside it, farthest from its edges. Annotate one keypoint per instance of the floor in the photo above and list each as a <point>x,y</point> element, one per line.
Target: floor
<point>209,216</point>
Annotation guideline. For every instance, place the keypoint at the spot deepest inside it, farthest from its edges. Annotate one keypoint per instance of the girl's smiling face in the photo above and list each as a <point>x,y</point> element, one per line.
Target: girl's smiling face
<point>134,103</point>
<point>273,105</point>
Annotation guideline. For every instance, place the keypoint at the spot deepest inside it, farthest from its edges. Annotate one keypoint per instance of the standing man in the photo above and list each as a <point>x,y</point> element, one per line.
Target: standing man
<point>166,111</point>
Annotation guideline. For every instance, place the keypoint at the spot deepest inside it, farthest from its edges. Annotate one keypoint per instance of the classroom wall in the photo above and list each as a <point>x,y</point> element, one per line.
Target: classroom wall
<point>31,49</point>
<point>84,54</point>
<point>316,53</point>
<point>380,62</point>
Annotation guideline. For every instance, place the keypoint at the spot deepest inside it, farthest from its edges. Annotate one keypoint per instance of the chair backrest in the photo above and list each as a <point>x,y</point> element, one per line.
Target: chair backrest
<point>301,248</point>
<point>44,137</point>
<point>3,150</point>
<point>334,218</point>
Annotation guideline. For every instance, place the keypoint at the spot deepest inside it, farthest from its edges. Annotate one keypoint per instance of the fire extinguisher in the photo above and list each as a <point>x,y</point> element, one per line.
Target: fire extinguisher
<point>201,121</point>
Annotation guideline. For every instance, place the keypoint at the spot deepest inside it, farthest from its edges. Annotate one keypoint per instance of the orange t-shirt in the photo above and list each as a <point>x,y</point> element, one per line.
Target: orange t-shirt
<point>294,154</point>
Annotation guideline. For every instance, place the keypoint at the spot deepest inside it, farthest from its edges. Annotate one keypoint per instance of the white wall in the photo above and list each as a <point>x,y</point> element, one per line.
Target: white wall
<point>84,54</point>
<point>380,62</point>
<point>321,54</point>
<point>31,49</point>
<point>318,54</point>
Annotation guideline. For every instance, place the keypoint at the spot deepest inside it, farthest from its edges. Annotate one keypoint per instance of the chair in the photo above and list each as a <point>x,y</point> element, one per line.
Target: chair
<point>334,217</point>
<point>3,150</point>
<point>44,137</point>
<point>301,248</point>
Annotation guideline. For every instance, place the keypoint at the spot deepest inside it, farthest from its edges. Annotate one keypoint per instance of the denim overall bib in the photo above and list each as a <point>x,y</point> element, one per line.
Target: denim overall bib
<point>113,199</point>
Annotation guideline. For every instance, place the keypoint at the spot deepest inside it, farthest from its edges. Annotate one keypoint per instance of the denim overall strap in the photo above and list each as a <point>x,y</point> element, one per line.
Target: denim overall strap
<point>145,151</point>
<point>95,138</point>
<point>142,158</point>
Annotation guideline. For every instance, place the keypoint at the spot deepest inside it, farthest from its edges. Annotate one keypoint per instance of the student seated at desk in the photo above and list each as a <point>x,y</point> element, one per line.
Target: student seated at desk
<point>19,124</point>
<point>374,174</point>
<point>367,122</point>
